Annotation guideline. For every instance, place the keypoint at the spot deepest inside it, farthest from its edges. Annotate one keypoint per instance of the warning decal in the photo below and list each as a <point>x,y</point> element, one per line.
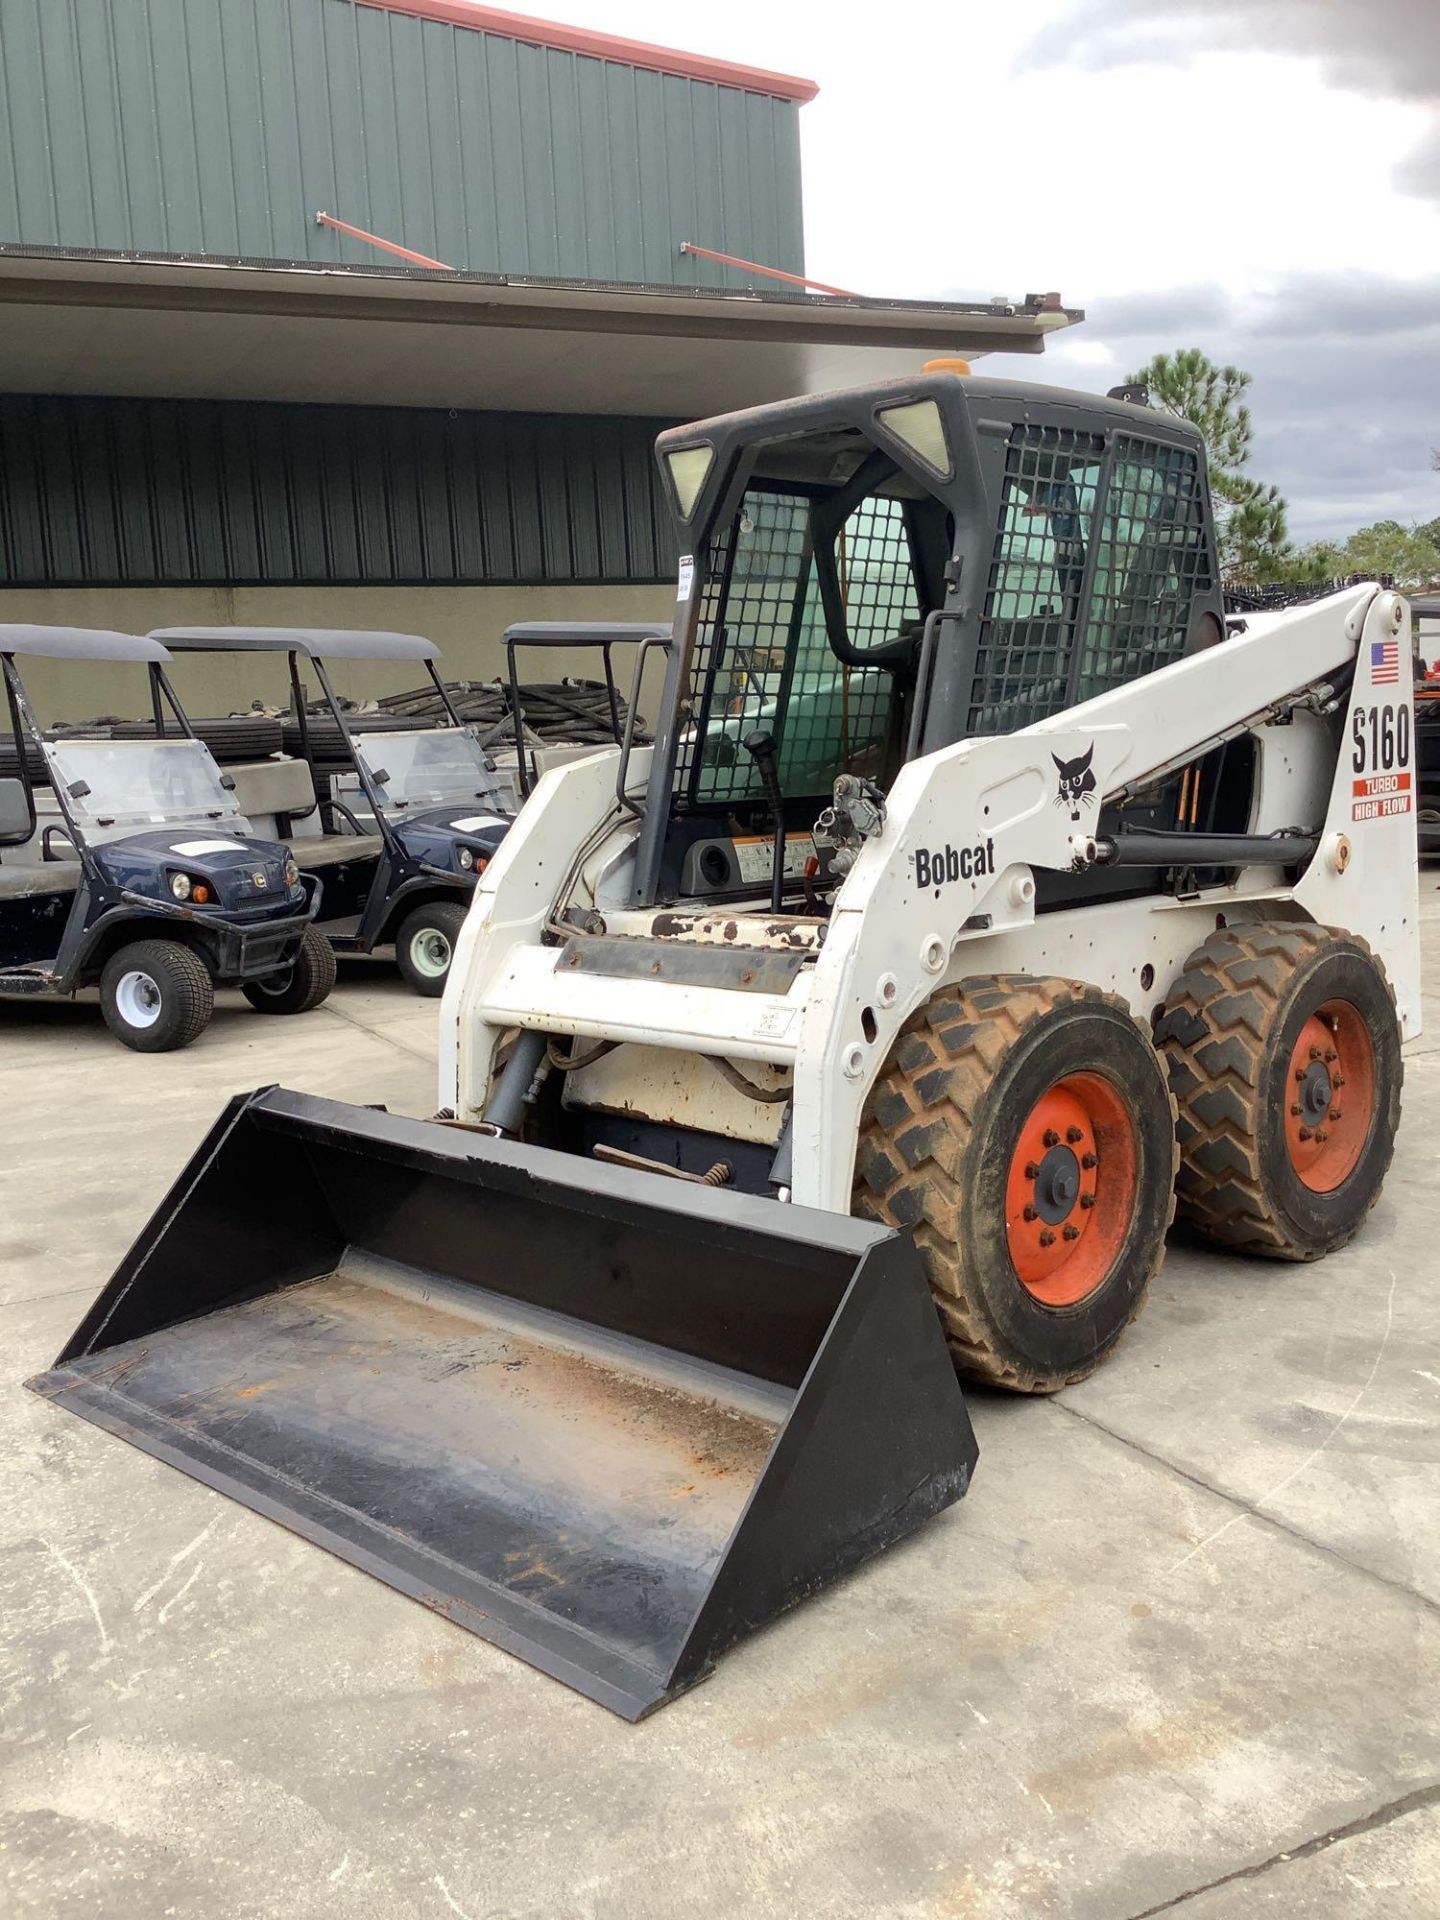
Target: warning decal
<point>1379,795</point>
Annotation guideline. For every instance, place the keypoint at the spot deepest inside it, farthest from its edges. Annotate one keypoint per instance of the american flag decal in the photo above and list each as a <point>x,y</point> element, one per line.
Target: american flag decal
<point>1384,663</point>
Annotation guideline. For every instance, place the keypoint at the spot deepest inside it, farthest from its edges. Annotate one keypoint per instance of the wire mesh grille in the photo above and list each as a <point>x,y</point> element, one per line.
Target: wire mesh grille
<point>1032,601</point>
<point>1152,557</point>
<point>763,656</point>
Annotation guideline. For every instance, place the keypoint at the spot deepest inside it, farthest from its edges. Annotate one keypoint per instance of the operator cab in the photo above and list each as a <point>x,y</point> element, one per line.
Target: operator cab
<point>893,571</point>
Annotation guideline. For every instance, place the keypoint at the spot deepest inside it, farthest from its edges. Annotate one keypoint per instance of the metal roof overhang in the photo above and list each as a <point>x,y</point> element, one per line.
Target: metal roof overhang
<point>201,328</point>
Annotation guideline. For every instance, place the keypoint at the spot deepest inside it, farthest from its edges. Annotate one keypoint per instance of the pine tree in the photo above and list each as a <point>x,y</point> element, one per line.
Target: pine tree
<point>1250,517</point>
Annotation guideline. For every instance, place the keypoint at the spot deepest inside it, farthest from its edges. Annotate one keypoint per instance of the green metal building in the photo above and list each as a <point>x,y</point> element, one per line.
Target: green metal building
<point>214,404</point>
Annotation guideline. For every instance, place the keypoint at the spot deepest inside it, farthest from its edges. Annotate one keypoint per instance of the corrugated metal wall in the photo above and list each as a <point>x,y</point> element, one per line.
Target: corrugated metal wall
<point>222,126</point>
<point>104,492</point>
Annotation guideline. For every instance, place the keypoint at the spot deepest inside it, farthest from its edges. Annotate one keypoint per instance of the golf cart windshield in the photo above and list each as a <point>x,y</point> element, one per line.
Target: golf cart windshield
<point>426,767</point>
<point>140,782</point>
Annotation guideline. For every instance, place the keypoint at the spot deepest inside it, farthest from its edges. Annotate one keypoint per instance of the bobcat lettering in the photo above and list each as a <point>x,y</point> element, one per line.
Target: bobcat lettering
<point>934,868</point>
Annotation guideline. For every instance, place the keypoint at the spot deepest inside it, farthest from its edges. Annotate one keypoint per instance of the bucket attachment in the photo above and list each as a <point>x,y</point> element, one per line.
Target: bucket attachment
<point>607,1421</point>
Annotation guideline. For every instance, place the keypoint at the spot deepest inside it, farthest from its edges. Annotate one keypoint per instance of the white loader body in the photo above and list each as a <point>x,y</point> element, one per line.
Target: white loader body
<point>946,891</point>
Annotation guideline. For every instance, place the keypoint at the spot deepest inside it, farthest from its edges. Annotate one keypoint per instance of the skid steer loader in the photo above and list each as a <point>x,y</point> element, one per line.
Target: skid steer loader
<point>981,881</point>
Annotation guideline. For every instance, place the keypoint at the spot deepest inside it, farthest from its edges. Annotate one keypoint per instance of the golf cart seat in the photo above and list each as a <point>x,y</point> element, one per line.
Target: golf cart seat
<point>273,787</point>
<point>334,850</point>
<point>34,882</point>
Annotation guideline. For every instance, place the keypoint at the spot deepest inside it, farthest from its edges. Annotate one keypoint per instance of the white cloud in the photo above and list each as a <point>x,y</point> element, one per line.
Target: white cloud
<point>1225,160</point>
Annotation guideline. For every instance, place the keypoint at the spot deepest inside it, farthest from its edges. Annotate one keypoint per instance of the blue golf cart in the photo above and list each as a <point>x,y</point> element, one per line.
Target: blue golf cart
<point>400,819</point>
<point>126,863</point>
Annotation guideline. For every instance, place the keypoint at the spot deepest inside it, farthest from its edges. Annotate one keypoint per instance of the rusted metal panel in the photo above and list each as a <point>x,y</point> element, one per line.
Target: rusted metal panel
<point>742,969</point>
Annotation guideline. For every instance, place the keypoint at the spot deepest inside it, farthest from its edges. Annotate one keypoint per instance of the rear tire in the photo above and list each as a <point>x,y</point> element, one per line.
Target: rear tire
<point>304,986</point>
<point>425,946</point>
<point>156,995</point>
<point>1283,1049</point>
<point>1012,1109</point>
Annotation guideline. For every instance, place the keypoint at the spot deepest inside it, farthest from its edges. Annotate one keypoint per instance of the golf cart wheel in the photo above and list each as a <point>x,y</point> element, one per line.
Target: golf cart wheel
<point>156,995</point>
<point>1283,1047</point>
<point>425,945</point>
<point>1022,1128</point>
<point>302,986</point>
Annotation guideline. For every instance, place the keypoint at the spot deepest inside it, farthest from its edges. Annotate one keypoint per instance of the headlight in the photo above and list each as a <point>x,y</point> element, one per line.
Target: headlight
<point>180,885</point>
<point>292,874</point>
<point>467,859</point>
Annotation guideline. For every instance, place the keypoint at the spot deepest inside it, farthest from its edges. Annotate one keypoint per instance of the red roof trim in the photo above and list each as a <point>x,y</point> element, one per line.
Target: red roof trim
<point>602,46</point>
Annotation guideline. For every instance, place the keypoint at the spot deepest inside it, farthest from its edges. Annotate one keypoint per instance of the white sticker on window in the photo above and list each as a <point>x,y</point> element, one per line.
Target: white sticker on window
<point>474,821</point>
<point>685,578</point>
<point>194,848</point>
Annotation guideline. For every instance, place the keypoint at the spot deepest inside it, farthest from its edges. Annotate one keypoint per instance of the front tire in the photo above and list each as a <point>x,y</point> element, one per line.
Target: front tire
<point>304,986</point>
<point>1023,1129</point>
<point>156,995</point>
<point>425,946</point>
<point>1283,1048</point>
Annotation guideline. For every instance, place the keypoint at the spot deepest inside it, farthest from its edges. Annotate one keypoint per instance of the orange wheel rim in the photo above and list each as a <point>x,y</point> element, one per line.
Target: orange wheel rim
<point>1329,1095</point>
<point>1070,1191</point>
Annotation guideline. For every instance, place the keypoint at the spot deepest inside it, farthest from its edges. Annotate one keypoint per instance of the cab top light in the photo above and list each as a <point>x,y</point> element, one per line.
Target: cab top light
<point>688,469</point>
<point>918,426</point>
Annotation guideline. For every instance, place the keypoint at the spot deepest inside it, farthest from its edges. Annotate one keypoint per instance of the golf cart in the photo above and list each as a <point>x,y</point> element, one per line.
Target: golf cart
<point>400,820</point>
<point>127,864</point>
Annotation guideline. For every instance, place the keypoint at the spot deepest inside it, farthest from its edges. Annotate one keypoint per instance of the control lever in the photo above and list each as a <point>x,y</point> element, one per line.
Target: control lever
<point>760,745</point>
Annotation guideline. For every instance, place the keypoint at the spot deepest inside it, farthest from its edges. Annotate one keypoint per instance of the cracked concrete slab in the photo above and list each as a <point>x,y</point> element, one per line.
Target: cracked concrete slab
<point>1048,1704</point>
<point>1389,1872</point>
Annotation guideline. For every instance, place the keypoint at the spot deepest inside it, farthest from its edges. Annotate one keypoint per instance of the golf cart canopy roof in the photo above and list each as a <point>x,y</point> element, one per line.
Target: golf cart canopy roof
<point>318,643</point>
<point>79,643</point>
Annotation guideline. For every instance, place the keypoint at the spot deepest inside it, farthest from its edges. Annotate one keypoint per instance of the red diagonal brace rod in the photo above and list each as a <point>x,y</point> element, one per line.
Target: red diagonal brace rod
<point>775,273</point>
<point>385,246</point>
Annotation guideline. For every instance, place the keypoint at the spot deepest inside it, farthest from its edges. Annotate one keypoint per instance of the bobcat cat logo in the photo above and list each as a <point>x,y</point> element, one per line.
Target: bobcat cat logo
<point>1077,782</point>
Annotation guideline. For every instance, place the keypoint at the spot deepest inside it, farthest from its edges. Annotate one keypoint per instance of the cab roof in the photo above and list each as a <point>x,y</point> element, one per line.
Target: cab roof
<point>317,643</point>
<point>79,643</point>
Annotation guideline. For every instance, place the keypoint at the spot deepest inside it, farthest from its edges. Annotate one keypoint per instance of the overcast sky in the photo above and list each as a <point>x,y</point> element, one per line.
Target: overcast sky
<point>1258,178</point>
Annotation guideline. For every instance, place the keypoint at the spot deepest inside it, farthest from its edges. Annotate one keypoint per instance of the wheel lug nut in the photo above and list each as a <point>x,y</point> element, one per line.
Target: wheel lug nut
<point>1321,1136</point>
<point>1031,1214</point>
<point>1032,1169</point>
<point>1331,1054</point>
<point>1052,1139</point>
<point>1087,1200</point>
<point>1304,1133</point>
<point>1071,1231</point>
<point>1047,1238</point>
<point>1296,1111</point>
<point>1073,1134</point>
<point>1315,1053</point>
<point>1088,1160</point>
<point>1337,1079</point>
<point>1299,1073</point>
